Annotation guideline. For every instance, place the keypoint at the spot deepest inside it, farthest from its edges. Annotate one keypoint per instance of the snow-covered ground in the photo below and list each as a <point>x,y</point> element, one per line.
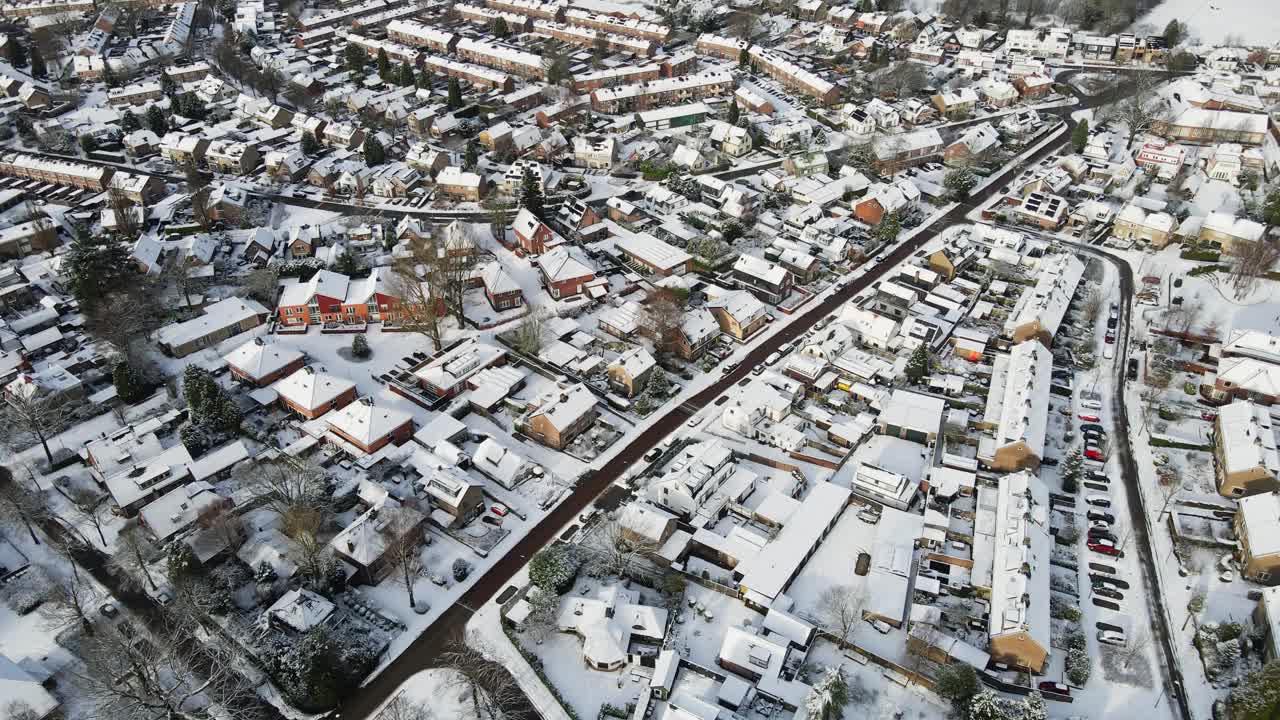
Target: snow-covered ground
<point>1214,22</point>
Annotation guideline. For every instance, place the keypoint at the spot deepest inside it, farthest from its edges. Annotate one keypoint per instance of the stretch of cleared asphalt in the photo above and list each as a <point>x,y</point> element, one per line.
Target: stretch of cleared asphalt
<point>448,628</point>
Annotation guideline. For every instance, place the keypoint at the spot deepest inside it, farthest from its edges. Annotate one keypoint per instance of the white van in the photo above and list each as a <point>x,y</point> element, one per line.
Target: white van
<point>1109,352</point>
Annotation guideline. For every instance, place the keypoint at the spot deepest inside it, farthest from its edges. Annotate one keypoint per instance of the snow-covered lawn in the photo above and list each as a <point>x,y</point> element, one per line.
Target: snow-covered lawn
<point>1245,22</point>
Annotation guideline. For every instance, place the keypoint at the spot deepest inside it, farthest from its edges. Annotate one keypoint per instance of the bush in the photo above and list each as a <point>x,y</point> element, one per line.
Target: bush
<point>1077,641</point>
<point>1229,631</point>
<point>461,569</point>
<point>360,347</point>
<point>1078,666</point>
<point>1200,255</point>
<point>553,569</point>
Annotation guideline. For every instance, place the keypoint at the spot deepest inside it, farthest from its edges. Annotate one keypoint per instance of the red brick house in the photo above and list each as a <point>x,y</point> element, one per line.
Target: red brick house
<point>563,274</point>
<point>500,288</point>
<point>260,364</point>
<point>535,237</point>
<point>312,392</point>
<point>370,427</point>
<point>317,301</point>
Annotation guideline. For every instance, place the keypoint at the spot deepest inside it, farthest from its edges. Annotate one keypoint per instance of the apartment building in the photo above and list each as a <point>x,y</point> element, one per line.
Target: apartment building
<point>532,8</point>
<point>59,172</point>
<point>477,75</point>
<point>586,83</point>
<point>664,92</point>
<point>721,46</point>
<point>630,27</point>
<point>412,32</point>
<point>794,77</point>
<point>589,38</point>
<point>502,57</point>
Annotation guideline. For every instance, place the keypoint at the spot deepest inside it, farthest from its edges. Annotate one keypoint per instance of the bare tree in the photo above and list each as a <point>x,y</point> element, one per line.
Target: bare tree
<point>840,609</point>
<point>293,489</point>
<point>414,281</point>
<point>200,207</point>
<point>1141,109</point>
<point>402,708</point>
<point>402,535</point>
<point>1092,307</point>
<point>1254,259</point>
<point>69,603</point>
<point>20,710</point>
<point>544,607</point>
<point>493,693</point>
<point>527,337</point>
<point>134,551</point>
<point>122,210</point>
<point>1135,646</point>
<point>457,257</point>
<point>34,416</point>
<point>161,675</point>
<point>664,318</point>
<point>261,285</point>
<point>617,548</point>
<point>90,506</point>
<point>19,503</point>
<point>225,522</point>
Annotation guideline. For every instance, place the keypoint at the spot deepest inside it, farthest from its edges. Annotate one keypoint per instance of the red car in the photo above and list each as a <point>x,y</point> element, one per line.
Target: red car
<point>1105,548</point>
<point>1093,454</point>
<point>1111,339</point>
<point>500,510</point>
<point>1208,416</point>
<point>1054,687</point>
<point>1090,418</point>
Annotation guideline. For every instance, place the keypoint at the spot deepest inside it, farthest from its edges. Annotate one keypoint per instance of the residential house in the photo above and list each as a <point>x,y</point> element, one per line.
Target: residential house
<point>216,323</point>
<point>559,415</point>
<point>630,371</point>
<point>564,273</point>
<point>261,364</point>
<point>739,314</point>
<point>370,427</point>
<point>311,391</point>
<point>1244,449</point>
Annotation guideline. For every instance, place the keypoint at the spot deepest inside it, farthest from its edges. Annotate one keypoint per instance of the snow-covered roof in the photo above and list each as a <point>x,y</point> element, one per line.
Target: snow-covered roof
<point>460,363</point>
<point>769,572</point>
<point>257,359</point>
<point>1018,397</point>
<point>324,283</point>
<point>608,621</point>
<point>1247,438</point>
<point>1046,303</point>
<point>634,362</point>
<point>645,520</point>
<point>178,509</point>
<point>1249,374</point>
<point>562,407</point>
<point>366,538</point>
<point>1260,515</point>
<point>652,251</point>
<point>499,462</point>
<point>561,263</point>
<point>218,316</point>
<point>365,422</point>
<point>18,687</point>
<point>312,386</point>
<point>301,610</point>
<point>741,305</point>
<point>1014,518</point>
<point>914,411</point>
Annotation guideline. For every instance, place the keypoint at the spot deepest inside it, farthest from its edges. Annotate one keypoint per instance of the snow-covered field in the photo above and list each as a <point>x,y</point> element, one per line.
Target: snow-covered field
<point>1249,22</point>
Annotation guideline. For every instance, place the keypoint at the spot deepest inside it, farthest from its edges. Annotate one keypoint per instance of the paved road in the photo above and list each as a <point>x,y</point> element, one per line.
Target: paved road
<point>1138,511</point>
<point>422,653</point>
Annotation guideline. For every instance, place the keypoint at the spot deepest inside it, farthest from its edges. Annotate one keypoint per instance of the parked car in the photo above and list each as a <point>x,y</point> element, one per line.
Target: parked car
<point>1107,592</point>
<point>772,359</point>
<point>1105,547</point>
<point>1132,371</point>
<point>1101,501</point>
<point>1111,637</point>
<point>654,453</point>
<point>1110,338</point>
<point>499,509</point>
<point>1097,477</point>
<point>1089,418</point>
<point>1093,453</point>
<point>1101,534</point>
<point>109,610</point>
<point>1054,687</point>
<point>881,626</point>
<point>1050,461</point>
<point>1092,427</point>
<point>1209,416</point>
<point>1098,515</point>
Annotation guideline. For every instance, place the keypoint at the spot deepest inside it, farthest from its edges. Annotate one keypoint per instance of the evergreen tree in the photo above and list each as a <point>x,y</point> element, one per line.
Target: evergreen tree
<point>384,65</point>
<point>1071,469</point>
<point>959,183</point>
<point>553,568</point>
<point>888,229</point>
<point>129,122</point>
<point>828,697</point>
<point>471,155</point>
<point>310,146</point>
<point>455,93</point>
<point>734,112</point>
<point>1080,135</point>
<point>500,28</point>
<point>957,682</point>
<point>531,194</point>
<point>347,264</point>
<point>25,129</point>
<point>156,120</point>
<point>356,58</point>
<point>129,387</point>
<point>1033,707</point>
<point>1271,207</point>
<point>97,267</point>
<point>1078,666</point>
<point>360,347</point>
<point>38,66</point>
<point>18,56</point>
<point>109,75</point>
<point>406,75</point>
<point>167,85</point>
<point>744,58</point>
<point>918,364</point>
<point>1174,33</point>
<point>987,705</point>
<point>374,152</point>
<point>424,78</point>
<point>88,143</point>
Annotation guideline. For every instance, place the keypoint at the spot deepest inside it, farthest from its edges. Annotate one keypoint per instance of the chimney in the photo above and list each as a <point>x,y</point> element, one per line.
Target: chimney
<point>564,397</point>
<point>351,546</point>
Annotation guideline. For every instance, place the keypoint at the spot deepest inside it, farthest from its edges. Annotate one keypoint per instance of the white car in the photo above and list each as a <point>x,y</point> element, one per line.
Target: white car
<point>881,626</point>
<point>1110,637</point>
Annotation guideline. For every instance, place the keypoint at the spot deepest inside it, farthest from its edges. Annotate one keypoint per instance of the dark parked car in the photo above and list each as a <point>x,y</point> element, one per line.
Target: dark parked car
<point>1098,515</point>
<point>1107,592</point>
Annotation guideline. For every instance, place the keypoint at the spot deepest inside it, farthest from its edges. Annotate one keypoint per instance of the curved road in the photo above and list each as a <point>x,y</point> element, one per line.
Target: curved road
<point>424,651</point>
